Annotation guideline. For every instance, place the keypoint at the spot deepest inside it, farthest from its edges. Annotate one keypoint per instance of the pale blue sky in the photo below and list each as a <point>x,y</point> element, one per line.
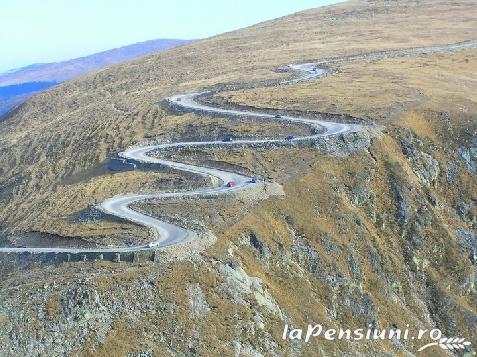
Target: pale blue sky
<point>35,31</point>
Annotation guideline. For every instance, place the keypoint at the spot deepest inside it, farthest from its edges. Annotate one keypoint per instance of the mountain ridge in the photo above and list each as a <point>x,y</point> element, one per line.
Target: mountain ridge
<point>50,74</point>
<point>44,72</point>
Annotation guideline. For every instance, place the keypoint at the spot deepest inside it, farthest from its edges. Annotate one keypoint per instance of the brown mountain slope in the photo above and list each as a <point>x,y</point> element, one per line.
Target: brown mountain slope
<point>74,128</point>
<point>383,236</point>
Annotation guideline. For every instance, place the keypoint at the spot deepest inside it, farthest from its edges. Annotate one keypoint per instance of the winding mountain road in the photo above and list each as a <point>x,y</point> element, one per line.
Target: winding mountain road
<point>167,234</point>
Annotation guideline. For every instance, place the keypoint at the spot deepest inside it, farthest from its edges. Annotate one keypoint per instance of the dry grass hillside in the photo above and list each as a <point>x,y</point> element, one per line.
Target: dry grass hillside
<point>73,129</point>
<point>378,232</point>
<point>378,90</point>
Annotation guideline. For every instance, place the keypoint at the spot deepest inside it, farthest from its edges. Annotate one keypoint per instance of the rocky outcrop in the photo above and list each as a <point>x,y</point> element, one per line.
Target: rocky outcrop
<point>239,285</point>
<point>469,156</point>
<point>346,144</point>
<point>198,303</point>
<point>424,166</point>
<point>467,240</point>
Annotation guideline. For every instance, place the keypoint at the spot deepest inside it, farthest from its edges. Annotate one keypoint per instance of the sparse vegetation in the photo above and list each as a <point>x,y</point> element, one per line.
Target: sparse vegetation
<point>377,236</point>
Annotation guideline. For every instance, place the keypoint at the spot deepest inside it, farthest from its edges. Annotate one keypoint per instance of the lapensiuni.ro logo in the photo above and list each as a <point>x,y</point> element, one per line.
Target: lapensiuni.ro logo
<point>372,333</point>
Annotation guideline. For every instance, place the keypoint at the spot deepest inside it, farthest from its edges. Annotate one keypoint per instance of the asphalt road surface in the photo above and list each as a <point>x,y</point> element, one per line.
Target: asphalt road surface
<point>167,234</point>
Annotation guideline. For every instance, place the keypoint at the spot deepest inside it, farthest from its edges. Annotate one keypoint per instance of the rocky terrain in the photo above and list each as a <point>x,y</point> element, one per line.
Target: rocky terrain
<point>373,230</point>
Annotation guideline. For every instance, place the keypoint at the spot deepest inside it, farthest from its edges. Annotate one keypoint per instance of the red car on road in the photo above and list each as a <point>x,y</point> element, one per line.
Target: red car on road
<point>231,184</point>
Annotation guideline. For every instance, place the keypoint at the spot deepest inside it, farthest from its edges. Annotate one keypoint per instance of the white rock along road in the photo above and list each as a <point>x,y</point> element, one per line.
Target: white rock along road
<point>167,234</point>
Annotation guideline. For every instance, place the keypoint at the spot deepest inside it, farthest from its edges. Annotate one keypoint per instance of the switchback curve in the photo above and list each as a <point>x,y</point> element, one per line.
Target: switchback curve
<point>167,234</point>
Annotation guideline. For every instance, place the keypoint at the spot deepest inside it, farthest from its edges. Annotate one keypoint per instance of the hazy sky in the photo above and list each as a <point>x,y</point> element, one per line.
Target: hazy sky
<point>35,31</point>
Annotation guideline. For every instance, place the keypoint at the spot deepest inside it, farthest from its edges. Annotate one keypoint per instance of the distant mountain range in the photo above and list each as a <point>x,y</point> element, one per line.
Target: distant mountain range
<point>18,85</point>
